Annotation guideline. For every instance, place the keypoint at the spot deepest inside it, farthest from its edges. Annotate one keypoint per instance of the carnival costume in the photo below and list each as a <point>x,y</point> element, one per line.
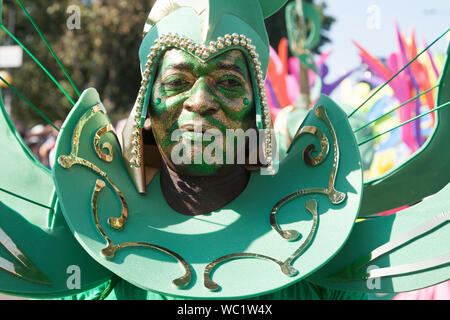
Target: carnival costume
<point>300,229</point>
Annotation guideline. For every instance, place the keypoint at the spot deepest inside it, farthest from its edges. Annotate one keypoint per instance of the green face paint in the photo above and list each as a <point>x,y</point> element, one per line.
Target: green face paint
<point>194,96</point>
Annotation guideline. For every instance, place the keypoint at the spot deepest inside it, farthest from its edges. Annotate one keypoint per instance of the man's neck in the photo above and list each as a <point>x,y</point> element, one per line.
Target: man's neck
<point>192,196</point>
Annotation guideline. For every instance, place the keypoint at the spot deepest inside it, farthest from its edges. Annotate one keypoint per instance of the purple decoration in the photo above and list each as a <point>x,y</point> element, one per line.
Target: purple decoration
<point>415,86</point>
<point>328,88</point>
<point>435,69</point>
<point>272,95</point>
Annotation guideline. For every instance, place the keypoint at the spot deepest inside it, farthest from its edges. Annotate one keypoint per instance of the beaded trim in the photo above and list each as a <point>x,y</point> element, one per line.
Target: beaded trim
<point>228,41</point>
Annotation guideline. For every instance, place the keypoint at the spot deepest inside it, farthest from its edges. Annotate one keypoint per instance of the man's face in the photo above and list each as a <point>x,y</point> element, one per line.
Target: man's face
<point>190,97</point>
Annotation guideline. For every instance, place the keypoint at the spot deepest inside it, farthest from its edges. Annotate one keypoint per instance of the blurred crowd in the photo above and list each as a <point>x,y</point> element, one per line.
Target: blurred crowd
<point>41,139</point>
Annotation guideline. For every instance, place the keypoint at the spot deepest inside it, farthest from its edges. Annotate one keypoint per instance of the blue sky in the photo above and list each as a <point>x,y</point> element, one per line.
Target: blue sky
<point>371,24</point>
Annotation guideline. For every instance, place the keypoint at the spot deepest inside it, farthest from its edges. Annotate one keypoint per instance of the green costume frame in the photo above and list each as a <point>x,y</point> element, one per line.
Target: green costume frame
<point>296,224</point>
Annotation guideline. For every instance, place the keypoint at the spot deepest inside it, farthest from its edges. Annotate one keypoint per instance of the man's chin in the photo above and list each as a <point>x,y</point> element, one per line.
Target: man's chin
<point>201,170</point>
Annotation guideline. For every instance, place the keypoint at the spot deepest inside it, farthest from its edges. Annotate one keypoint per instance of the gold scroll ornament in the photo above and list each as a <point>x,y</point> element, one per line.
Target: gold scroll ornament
<point>117,223</point>
<point>335,197</point>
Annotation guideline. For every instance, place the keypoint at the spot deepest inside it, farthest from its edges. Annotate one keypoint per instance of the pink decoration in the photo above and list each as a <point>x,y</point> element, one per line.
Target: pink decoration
<point>438,292</point>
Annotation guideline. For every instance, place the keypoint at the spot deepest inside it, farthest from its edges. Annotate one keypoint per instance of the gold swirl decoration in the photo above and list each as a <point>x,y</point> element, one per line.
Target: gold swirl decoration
<point>335,197</point>
<point>98,148</point>
<point>116,223</point>
<point>73,159</point>
<point>285,266</point>
<point>111,249</point>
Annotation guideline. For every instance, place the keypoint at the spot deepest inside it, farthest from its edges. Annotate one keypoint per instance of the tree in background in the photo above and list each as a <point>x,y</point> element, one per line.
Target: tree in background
<point>101,53</point>
<point>276,25</point>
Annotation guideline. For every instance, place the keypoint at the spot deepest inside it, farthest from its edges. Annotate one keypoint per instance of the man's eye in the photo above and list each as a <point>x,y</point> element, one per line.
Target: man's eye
<point>176,84</point>
<point>230,83</point>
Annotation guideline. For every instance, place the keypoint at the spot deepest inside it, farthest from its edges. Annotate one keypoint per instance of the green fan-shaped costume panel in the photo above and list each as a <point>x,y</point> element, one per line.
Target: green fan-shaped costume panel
<point>405,251</point>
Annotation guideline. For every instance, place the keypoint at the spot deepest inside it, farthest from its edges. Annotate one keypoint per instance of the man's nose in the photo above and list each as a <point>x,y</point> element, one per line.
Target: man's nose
<point>202,100</point>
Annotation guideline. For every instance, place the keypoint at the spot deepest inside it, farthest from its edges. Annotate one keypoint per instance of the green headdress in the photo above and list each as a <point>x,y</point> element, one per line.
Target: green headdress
<point>297,224</point>
<point>204,28</point>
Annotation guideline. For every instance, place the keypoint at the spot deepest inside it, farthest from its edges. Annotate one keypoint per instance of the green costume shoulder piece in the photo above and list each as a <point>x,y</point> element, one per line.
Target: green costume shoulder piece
<point>38,253</point>
<point>395,253</point>
<point>425,173</point>
<point>142,240</point>
<point>291,231</point>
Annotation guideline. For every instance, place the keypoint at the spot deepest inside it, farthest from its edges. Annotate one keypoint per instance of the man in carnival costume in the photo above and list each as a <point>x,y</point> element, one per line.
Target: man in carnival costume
<point>194,203</point>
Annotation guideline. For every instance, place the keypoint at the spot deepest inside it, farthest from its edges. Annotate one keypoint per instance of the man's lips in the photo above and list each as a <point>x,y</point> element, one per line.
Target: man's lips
<point>197,126</point>
<point>199,131</point>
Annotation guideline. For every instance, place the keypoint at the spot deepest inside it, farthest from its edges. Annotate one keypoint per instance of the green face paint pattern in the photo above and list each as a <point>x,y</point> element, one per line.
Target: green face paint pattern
<point>210,93</point>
